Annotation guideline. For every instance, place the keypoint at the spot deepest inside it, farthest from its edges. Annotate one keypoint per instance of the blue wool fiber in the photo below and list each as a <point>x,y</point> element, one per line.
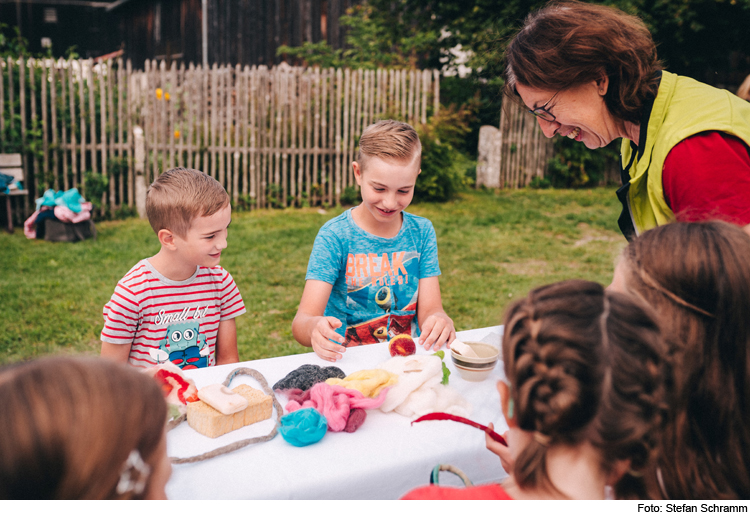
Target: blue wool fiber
<point>303,427</point>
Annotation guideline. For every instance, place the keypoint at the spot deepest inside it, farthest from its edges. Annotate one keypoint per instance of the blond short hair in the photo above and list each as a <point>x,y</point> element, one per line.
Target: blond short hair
<point>389,140</point>
<point>179,195</point>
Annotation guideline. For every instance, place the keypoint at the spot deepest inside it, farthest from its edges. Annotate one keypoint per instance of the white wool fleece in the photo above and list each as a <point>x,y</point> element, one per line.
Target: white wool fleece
<point>419,390</point>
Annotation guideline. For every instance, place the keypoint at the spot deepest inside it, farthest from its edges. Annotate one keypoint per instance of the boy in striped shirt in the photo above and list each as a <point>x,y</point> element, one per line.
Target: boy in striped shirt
<point>178,305</point>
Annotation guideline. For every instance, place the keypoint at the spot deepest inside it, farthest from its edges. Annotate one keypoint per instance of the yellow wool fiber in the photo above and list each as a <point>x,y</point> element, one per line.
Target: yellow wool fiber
<point>368,382</point>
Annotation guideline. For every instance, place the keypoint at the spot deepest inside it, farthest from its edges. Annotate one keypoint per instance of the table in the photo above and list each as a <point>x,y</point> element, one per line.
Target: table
<point>383,459</point>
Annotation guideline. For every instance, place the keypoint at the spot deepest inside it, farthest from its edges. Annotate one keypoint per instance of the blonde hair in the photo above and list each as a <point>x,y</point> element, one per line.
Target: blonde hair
<point>390,140</point>
<point>68,426</point>
<point>179,195</point>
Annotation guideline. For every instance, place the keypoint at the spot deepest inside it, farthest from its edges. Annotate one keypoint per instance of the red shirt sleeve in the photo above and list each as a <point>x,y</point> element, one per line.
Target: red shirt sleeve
<point>707,176</point>
<point>487,492</point>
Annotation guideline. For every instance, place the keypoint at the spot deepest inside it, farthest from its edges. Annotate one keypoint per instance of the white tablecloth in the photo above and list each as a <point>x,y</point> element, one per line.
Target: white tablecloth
<point>383,459</point>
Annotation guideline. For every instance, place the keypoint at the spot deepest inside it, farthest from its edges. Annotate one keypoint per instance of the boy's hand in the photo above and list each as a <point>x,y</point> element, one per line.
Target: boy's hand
<point>506,459</point>
<point>437,330</point>
<point>323,332</point>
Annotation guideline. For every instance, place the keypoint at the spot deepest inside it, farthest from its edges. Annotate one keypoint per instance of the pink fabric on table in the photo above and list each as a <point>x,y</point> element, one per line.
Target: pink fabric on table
<point>297,395</point>
<point>334,402</point>
<point>64,214</point>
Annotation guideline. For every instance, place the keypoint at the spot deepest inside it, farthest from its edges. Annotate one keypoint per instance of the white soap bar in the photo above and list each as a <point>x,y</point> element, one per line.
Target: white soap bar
<point>222,399</point>
<point>463,349</point>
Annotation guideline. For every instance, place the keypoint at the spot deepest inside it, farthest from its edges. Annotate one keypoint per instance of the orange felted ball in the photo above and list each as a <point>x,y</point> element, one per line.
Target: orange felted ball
<point>402,345</point>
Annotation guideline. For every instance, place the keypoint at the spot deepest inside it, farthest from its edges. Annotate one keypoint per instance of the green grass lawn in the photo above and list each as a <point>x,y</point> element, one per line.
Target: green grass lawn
<point>493,247</point>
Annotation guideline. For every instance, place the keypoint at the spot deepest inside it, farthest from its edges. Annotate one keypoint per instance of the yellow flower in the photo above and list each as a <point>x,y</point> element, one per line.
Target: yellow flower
<point>158,93</point>
<point>166,96</point>
<point>177,134</point>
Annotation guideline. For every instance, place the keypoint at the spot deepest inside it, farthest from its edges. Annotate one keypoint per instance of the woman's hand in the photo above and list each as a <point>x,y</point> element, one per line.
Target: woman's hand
<point>506,459</point>
<point>326,343</point>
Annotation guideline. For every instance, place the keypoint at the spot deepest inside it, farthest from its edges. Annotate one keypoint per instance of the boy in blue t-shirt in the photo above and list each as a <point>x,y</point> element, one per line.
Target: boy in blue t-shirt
<point>373,272</point>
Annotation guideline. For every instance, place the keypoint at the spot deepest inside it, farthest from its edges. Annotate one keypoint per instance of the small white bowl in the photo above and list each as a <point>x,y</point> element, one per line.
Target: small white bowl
<point>476,368</point>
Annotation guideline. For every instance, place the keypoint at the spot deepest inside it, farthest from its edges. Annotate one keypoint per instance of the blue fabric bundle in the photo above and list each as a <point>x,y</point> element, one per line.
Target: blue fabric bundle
<point>6,182</point>
<point>303,427</point>
<point>71,199</point>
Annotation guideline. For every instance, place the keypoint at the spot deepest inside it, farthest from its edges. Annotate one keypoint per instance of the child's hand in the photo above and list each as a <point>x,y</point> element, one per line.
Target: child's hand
<point>323,332</point>
<point>437,330</point>
<point>506,459</point>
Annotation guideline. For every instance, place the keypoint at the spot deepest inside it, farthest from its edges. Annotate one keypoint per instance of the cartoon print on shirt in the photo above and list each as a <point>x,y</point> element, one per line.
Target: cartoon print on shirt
<point>184,346</point>
<point>379,284</point>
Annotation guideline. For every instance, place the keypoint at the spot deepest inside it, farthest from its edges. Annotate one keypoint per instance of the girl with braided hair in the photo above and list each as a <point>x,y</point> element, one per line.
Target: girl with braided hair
<point>81,428</point>
<point>703,300</point>
<point>584,399</point>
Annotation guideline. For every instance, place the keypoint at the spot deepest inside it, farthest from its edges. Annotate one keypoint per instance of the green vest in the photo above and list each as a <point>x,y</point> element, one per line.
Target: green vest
<point>683,107</point>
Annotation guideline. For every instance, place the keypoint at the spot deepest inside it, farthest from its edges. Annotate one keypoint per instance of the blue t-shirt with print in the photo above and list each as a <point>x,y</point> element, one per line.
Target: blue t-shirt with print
<point>375,280</point>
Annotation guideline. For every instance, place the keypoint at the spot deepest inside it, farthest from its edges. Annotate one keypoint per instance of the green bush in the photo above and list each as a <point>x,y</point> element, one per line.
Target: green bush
<point>574,165</point>
<point>539,183</point>
<point>440,178</point>
<point>350,195</point>
<point>444,171</point>
<point>95,185</point>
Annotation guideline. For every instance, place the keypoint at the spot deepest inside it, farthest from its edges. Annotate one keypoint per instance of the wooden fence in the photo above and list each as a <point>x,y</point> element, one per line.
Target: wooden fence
<point>524,149</point>
<point>273,137</point>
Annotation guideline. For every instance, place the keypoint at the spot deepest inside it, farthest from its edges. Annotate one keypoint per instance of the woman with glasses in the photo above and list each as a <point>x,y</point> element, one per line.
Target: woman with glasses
<point>591,73</point>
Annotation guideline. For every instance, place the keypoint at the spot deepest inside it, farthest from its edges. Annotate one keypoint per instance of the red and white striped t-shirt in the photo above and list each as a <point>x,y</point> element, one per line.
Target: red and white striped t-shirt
<point>150,311</point>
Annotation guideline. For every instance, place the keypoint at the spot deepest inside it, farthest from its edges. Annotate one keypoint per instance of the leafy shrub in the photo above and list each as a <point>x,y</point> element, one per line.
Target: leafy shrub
<point>350,196</point>
<point>539,183</point>
<point>95,185</point>
<point>440,178</point>
<point>574,165</point>
<point>443,164</point>
<point>274,196</point>
<point>244,202</point>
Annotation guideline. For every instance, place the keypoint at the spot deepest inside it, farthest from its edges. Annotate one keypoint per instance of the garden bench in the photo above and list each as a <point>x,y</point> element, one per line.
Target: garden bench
<point>12,165</point>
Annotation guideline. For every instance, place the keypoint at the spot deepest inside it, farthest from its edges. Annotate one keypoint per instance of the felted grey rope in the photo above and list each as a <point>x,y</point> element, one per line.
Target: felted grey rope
<point>174,423</point>
<point>241,443</point>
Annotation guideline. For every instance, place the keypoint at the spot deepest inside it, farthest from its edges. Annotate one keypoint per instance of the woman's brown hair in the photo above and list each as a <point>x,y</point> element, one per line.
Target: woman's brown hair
<point>567,44</point>
<point>697,277</point>
<point>586,365</point>
<point>68,426</point>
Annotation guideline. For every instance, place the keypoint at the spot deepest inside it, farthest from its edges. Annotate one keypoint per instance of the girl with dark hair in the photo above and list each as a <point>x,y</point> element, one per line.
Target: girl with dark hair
<point>584,399</point>
<point>81,428</point>
<point>591,73</point>
<point>697,278</point>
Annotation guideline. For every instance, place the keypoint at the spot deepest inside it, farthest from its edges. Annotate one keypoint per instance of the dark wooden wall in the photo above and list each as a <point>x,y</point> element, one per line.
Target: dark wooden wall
<point>79,26</point>
<point>175,36</point>
<point>239,31</point>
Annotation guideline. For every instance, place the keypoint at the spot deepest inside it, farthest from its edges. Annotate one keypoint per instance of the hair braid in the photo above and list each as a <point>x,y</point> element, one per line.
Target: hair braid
<point>564,357</point>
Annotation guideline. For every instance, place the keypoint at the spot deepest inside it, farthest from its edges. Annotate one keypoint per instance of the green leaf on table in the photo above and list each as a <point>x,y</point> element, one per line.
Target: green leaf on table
<point>446,370</point>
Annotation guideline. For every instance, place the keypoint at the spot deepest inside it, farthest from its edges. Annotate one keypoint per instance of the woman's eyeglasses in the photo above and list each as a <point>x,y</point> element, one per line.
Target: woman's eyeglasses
<point>542,112</point>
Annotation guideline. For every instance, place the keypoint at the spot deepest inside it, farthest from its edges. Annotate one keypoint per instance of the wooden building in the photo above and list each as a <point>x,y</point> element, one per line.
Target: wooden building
<point>60,25</point>
<point>238,31</point>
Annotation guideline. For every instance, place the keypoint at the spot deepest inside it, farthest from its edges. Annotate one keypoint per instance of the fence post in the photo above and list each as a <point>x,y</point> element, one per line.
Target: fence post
<point>488,163</point>
<point>140,169</point>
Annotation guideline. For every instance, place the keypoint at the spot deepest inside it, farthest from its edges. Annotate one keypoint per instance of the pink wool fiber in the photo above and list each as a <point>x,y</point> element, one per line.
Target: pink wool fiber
<point>334,402</point>
<point>356,419</point>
